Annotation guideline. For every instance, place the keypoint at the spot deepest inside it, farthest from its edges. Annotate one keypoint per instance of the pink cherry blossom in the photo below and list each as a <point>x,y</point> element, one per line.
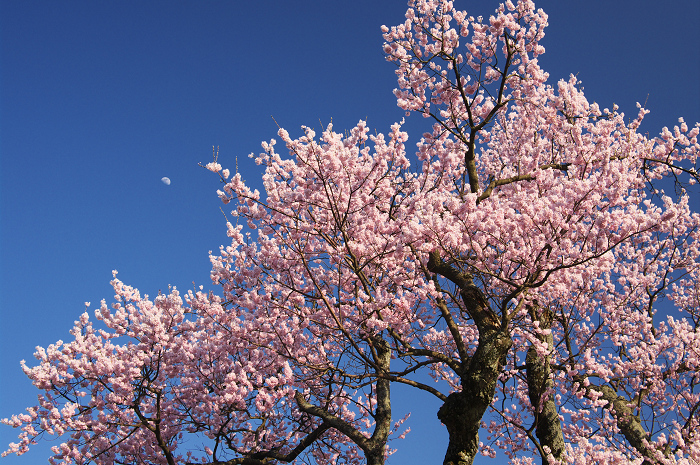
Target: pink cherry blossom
<point>526,256</point>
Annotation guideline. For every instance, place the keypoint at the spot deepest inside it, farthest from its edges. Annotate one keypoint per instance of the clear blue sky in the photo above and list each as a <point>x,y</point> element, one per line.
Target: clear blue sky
<point>99,100</point>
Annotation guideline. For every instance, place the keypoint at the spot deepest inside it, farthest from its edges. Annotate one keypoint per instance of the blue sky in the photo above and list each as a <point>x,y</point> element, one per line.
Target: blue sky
<point>100,100</point>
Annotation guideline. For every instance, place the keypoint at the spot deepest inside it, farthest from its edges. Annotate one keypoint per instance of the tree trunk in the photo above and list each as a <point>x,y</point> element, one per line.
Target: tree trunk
<point>375,458</point>
<point>462,411</point>
<point>375,449</point>
<point>628,423</point>
<point>463,427</point>
<point>539,386</point>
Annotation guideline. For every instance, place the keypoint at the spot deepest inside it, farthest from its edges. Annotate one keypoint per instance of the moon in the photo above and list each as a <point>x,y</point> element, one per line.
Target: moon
<point>166,180</point>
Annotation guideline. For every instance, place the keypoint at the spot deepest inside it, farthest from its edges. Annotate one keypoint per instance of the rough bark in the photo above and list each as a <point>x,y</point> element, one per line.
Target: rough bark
<point>462,411</point>
<point>375,451</point>
<point>628,423</point>
<point>539,384</point>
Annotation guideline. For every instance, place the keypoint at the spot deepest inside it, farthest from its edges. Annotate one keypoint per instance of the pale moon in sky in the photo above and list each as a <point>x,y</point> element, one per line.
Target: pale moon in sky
<point>166,181</point>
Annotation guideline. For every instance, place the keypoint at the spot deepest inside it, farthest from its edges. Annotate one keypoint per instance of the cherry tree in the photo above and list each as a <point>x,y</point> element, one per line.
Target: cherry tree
<point>527,257</point>
<point>545,214</point>
<point>163,372</point>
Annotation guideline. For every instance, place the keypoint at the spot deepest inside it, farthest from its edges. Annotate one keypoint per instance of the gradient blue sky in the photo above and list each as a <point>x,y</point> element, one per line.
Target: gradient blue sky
<point>99,100</point>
